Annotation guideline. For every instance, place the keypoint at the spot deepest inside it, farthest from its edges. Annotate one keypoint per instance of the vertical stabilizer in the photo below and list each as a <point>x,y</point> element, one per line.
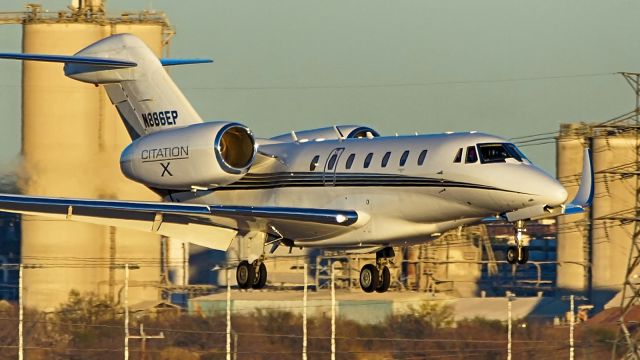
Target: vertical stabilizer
<point>145,96</point>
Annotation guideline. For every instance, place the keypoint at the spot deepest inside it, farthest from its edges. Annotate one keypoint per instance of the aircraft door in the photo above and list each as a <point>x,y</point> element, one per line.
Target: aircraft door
<point>330,167</point>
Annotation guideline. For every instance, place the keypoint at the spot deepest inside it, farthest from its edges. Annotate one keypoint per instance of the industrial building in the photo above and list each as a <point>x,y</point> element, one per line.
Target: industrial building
<point>593,248</point>
<point>71,142</point>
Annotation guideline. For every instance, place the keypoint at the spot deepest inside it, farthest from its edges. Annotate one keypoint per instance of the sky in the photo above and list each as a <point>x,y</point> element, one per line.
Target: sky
<point>506,67</point>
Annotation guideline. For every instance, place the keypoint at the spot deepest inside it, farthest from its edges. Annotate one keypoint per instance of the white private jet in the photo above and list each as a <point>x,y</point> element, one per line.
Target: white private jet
<point>335,187</point>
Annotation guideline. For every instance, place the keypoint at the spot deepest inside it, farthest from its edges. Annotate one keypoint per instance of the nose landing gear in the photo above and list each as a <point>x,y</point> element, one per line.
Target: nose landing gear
<point>377,277</point>
<point>518,252</point>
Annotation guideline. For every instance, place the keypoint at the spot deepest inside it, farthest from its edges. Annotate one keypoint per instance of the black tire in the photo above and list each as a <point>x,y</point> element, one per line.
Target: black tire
<point>260,280</point>
<point>369,278</point>
<point>245,275</point>
<point>524,255</point>
<point>512,255</point>
<point>385,280</point>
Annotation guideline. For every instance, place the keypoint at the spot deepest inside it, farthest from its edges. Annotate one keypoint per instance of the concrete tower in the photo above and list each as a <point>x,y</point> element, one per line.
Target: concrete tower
<point>614,194</point>
<point>72,139</point>
<point>573,230</point>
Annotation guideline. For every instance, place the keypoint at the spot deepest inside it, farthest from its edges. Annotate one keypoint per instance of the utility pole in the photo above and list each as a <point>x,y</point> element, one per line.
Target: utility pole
<point>143,337</point>
<point>228,315</point>
<point>126,268</point>
<point>510,298</point>
<point>333,311</point>
<point>304,315</point>
<point>20,315</point>
<point>19,267</point>
<point>572,322</point>
<point>126,311</point>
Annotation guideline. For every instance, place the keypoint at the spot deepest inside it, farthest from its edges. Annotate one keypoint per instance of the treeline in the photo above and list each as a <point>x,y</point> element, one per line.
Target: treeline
<point>89,327</point>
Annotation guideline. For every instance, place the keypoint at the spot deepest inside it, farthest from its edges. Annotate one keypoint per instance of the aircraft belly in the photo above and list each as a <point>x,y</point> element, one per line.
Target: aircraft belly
<point>390,232</point>
<point>420,205</point>
<point>395,215</point>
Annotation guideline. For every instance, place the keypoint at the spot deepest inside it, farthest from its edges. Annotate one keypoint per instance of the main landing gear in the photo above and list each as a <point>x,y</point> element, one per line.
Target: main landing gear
<point>518,252</point>
<point>377,277</point>
<point>252,275</point>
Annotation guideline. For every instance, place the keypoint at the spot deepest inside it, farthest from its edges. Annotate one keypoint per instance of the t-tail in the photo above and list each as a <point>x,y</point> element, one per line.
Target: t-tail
<point>145,96</point>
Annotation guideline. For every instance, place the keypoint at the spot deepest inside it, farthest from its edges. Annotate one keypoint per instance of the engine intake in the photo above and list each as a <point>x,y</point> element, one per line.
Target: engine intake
<point>203,155</point>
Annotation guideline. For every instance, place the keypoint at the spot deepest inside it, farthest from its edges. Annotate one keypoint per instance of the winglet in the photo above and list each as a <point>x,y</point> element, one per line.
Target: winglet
<point>584,196</point>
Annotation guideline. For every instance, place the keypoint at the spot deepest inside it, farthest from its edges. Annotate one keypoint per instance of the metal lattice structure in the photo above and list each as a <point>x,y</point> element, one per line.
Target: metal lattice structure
<point>629,122</point>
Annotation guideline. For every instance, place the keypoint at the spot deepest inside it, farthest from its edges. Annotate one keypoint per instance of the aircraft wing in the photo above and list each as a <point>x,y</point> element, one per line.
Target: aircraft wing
<point>212,226</point>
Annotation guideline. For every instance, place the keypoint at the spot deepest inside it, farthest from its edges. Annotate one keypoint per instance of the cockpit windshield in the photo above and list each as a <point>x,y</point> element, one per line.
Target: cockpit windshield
<point>499,152</point>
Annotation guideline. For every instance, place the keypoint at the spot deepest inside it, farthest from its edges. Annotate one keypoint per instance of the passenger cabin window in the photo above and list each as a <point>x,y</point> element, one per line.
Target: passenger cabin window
<point>472,155</point>
<point>367,160</point>
<point>499,152</point>
<point>458,157</point>
<point>423,155</point>
<point>332,161</point>
<point>385,158</point>
<point>314,163</point>
<point>350,161</point>
<point>404,157</point>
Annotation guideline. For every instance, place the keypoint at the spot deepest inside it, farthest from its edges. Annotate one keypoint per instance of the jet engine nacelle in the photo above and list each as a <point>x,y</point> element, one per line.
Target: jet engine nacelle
<point>198,156</point>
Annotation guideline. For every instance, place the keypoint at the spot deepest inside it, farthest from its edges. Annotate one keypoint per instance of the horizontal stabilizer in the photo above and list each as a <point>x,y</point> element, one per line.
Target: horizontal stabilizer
<point>70,59</point>
<point>171,62</point>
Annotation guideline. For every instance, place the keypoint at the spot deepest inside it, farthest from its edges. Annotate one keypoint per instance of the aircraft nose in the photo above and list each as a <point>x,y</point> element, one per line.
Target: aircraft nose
<point>557,194</point>
<point>552,192</point>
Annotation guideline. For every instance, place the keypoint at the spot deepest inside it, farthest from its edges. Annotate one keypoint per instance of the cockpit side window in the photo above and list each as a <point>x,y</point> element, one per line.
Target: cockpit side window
<point>515,152</point>
<point>499,152</point>
<point>472,155</point>
<point>458,157</point>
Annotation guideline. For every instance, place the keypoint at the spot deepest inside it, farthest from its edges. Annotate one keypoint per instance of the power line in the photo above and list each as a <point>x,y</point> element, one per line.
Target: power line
<point>406,84</point>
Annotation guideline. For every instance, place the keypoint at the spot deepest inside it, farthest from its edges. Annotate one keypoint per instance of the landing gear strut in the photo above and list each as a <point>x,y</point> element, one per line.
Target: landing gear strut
<point>377,277</point>
<point>252,275</point>
<point>518,253</point>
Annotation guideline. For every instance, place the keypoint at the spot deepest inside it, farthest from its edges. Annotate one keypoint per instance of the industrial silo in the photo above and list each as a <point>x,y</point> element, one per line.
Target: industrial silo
<point>615,196</point>
<point>72,138</point>
<point>573,230</point>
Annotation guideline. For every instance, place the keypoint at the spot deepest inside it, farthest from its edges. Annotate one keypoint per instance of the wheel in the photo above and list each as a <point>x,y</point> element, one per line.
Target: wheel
<point>524,255</point>
<point>385,280</point>
<point>260,280</point>
<point>245,274</point>
<point>369,278</point>
<point>512,255</point>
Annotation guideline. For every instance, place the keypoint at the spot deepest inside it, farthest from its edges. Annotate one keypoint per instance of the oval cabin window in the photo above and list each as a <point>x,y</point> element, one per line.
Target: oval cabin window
<point>423,155</point>
<point>404,157</point>
<point>367,160</point>
<point>350,160</point>
<point>385,159</point>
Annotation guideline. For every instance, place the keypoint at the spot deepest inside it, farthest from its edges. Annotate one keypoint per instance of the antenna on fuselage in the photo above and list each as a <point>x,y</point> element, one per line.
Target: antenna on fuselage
<point>294,137</point>
<point>340,136</point>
